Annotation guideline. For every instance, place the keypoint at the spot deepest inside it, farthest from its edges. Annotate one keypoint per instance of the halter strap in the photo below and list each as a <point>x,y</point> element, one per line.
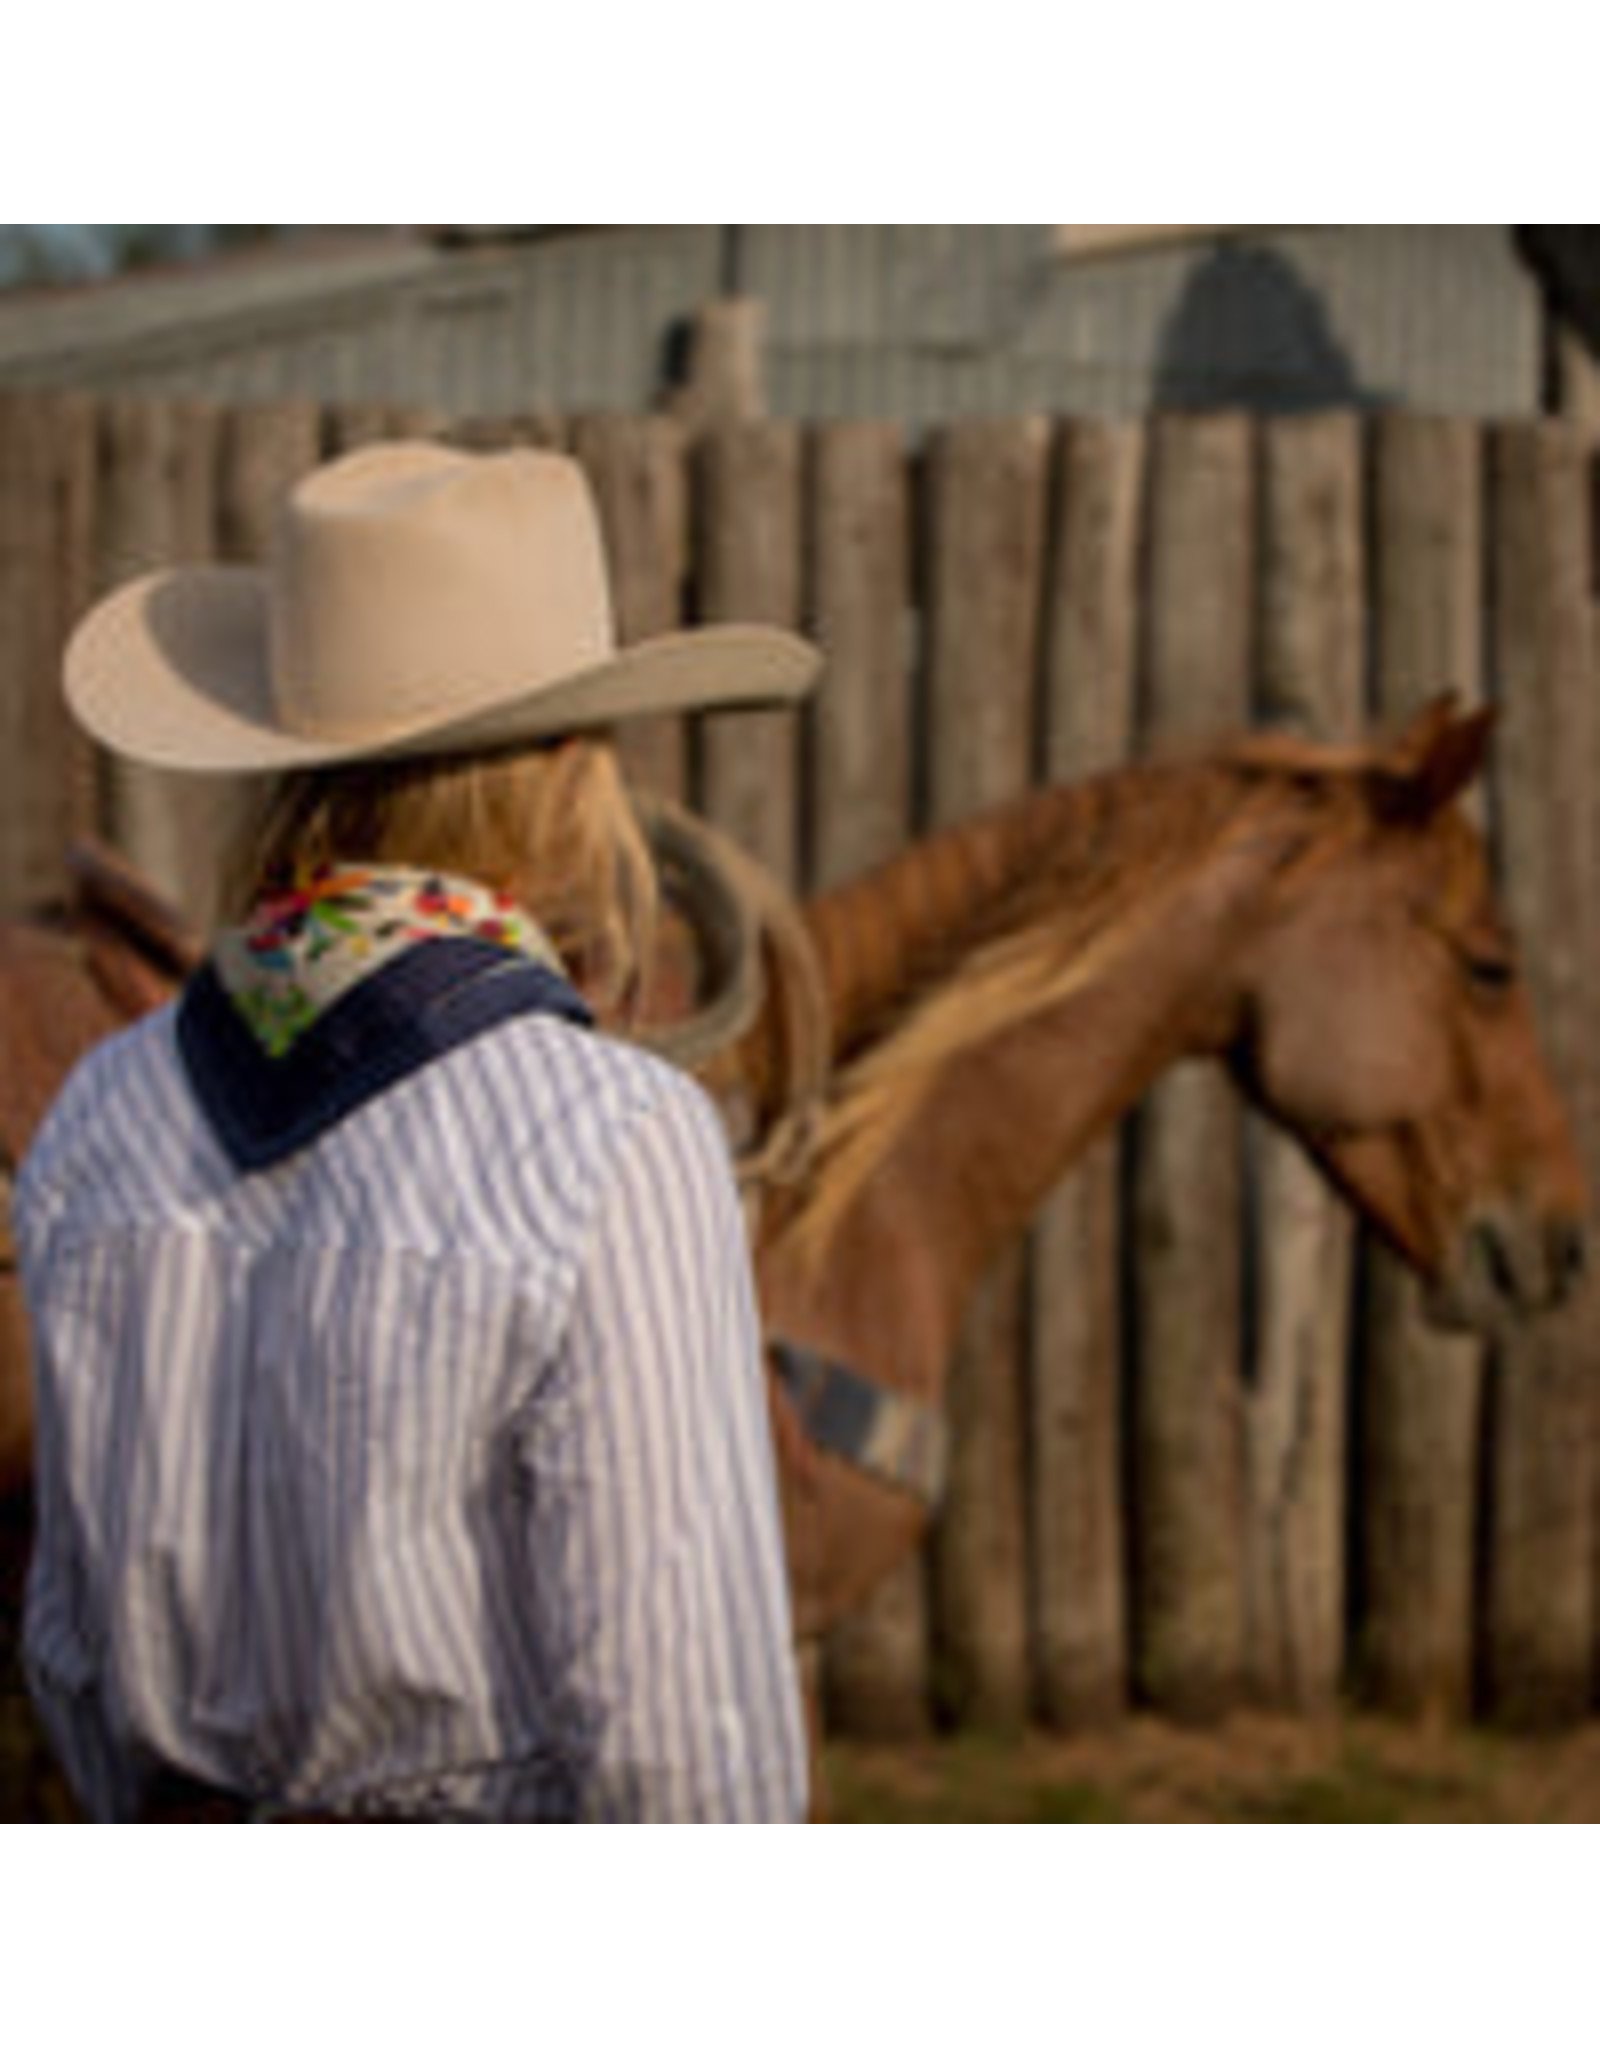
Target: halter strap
<point>893,1436</point>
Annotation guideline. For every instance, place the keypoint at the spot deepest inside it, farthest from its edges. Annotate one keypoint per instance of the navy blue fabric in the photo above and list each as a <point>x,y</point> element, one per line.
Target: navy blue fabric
<point>894,1436</point>
<point>437,995</point>
<point>838,1406</point>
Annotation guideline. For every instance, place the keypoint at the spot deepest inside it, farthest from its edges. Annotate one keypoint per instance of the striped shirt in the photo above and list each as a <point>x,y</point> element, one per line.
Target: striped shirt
<point>427,1470</point>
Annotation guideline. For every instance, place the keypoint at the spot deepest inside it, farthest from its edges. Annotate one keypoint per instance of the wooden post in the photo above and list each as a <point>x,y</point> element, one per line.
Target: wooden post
<point>1540,1618</point>
<point>637,467</point>
<point>46,495</point>
<point>1079,1592</point>
<point>1417,1510</point>
<point>265,450</point>
<point>724,380</point>
<point>986,520</point>
<point>1311,673</point>
<point>748,525</point>
<point>1188,1536</point>
<point>420,423</point>
<point>232,470</point>
<point>875,1668</point>
<point>540,429</point>
<point>157,508</point>
<point>355,423</point>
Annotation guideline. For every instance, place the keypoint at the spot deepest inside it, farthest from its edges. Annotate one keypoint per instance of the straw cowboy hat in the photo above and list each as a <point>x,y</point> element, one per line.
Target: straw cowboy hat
<point>419,600</point>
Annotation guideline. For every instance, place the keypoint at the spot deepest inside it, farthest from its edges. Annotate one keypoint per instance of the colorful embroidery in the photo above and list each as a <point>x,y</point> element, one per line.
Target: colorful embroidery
<point>299,951</point>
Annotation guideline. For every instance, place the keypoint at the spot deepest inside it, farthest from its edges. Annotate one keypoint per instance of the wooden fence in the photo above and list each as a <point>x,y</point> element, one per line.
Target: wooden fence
<point>1207,1451</point>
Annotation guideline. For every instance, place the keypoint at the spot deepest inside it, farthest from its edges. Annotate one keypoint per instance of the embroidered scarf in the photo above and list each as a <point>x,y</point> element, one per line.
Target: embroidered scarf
<point>337,989</point>
<point>297,953</point>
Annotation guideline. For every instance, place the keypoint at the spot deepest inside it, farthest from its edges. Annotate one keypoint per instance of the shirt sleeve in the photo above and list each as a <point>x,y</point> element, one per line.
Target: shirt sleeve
<point>654,1542</point>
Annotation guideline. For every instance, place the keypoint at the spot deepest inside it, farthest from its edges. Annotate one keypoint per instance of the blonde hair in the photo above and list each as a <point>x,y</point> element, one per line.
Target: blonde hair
<point>551,826</point>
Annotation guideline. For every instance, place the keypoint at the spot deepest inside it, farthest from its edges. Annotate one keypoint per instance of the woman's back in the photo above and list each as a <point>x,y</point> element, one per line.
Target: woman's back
<point>469,1418</point>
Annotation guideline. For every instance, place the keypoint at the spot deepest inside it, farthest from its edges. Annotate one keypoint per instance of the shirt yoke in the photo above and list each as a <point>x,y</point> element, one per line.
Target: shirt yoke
<point>509,1135</point>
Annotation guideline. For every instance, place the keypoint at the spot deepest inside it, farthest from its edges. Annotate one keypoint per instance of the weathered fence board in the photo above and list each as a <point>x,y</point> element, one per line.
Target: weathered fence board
<point>1154,1506</point>
<point>638,470</point>
<point>859,813</point>
<point>264,450</point>
<point>1421,1391</point>
<point>985,526</point>
<point>157,505</point>
<point>748,527</point>
<point>1540,1594</point>
<point>257,454</point>
<point>1079,1613</point>
<point>1312,669</point>
<point>46,500</point>
<point>1188,1516</point>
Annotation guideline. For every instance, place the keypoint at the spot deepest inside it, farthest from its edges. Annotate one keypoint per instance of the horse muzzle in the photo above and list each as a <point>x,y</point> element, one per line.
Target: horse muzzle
<point>1507,1267</point>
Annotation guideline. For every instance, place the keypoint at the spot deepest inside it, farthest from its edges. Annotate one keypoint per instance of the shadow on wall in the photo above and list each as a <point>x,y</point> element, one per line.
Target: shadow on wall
<point>1248,331</point>
<point>1566,262</point>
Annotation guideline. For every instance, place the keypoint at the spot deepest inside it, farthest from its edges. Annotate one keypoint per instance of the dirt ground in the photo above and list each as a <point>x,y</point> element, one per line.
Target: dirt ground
<point>1252,1769</point>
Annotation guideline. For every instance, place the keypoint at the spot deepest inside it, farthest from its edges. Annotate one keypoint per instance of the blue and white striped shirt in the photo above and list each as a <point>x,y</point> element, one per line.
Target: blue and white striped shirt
<point>427,1470</point>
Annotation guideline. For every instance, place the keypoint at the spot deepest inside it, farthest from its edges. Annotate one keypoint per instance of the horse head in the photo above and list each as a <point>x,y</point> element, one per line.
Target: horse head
<point>1385,1018</point>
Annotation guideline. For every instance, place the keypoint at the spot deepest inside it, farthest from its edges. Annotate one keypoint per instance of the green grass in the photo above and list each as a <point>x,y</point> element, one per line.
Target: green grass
<point>1249,1772</point>
<point>1361,1789</point>
<point>964,1779</point>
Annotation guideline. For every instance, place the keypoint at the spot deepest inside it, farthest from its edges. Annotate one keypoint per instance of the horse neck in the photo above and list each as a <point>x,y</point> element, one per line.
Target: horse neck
<point>886,933</point>
<point>949,1135</point>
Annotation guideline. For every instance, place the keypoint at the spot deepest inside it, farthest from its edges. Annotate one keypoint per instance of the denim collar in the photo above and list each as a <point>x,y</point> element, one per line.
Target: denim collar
<point>426,998</point>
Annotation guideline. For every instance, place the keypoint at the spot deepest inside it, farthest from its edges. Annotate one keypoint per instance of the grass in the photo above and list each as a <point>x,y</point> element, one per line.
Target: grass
<point>1254,1769</point>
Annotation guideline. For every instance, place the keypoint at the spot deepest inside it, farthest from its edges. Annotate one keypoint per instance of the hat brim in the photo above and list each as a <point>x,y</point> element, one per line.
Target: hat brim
<point>172,670</point>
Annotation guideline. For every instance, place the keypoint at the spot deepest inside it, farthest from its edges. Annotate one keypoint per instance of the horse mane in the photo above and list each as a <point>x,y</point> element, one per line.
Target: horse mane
<point>1085,869</point>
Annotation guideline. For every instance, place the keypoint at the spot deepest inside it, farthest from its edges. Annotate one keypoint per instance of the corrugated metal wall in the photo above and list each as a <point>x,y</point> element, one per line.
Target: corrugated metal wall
<point>936,322</point>
<point>917,323</point>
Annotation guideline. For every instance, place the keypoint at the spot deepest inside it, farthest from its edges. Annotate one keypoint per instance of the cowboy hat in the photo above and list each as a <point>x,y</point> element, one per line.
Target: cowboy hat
<point>418,600</point>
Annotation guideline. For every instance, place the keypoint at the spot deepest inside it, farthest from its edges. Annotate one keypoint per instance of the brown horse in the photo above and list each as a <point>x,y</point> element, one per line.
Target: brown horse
<point>1320,918</point>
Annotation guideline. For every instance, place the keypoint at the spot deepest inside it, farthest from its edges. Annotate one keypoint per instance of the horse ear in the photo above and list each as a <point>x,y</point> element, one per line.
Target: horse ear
<point>1438,755</point>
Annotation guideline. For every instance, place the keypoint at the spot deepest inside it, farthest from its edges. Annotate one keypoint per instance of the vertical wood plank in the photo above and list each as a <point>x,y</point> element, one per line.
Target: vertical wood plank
<point>419,423</point>
<point>543,429</point>
<point>46,779</point>
<point>985,523</point>
<point>859,606</point>
<point>1079,1622</point>
<point>1417,1506</point>
<point>748,525</point>
<point>75,425</point>
<point>355,423</point>
<point>266,449</point>
<point>1188,1535</point>
<point>1540,1590</point>
<point>1312,672</point>
<point>637,468</point>
<point>260,452</point>
<point>157,508</point>
<point>875,1668</point>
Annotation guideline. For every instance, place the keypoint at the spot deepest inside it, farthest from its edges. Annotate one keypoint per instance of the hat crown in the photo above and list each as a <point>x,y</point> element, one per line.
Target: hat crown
<point>408,579</point>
